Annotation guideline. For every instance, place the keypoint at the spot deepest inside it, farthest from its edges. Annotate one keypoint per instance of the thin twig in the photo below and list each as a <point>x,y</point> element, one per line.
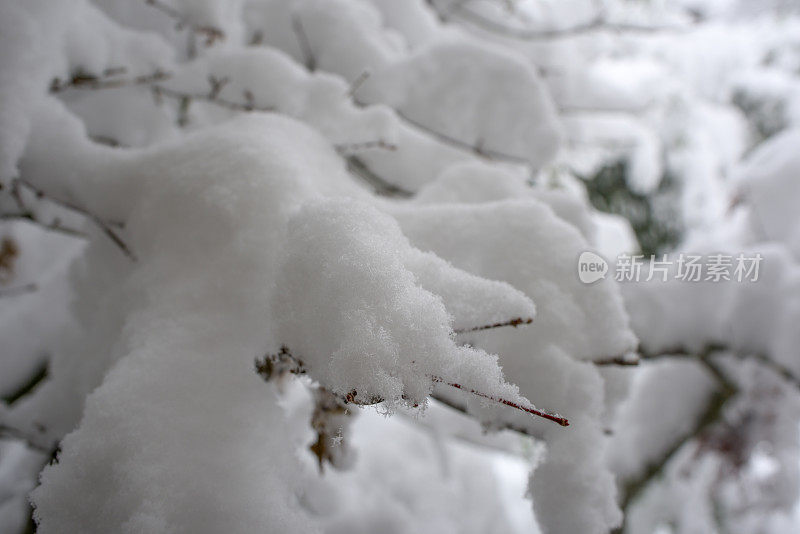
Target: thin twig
<point>212,34</point>
<point>285,362</point>
<point>247,105</point>
<point>381,187</point>
<point>357,83</point>
<point>37,377</point>
<point>477,149</point>
<point>710,348</point>
<point>622,361</point>
<point>350,148</point>
<point>104,226</point>
<point>513,323</point>
<point>598,23</point>
<point>108,81</point>
<point>32,442</point>
<point>528,409</point>
<point>53,226</point>
<point>305,44</point>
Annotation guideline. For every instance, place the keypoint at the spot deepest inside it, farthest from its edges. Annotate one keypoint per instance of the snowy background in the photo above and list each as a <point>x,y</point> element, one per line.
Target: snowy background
<point>312,266</point>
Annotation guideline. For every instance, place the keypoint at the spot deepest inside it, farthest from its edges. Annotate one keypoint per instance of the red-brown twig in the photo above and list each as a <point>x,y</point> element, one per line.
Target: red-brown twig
<point>533,411</point>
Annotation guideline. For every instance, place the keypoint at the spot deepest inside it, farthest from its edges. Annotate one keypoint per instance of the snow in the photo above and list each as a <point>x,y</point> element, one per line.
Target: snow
<point>482,96</point>
<point>769,180</point>
<point>394,198</point>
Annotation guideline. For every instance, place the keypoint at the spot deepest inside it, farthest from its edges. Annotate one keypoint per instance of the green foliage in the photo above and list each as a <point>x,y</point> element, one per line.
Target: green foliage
<point>654,217</point>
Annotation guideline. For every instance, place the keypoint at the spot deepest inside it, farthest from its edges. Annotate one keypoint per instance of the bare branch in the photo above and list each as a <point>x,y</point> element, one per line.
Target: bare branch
<point>37,377</point>
<point>461,11</point>
<point>216,85</point>
<point>350,148</point>
<point>381,187</point>
<point>477,149</point>
<point>528,409</point>
<point>211,97</point>
<point>710,348</point>
<point>513,323</point>
<point>357,83</point>
<point>305,44</point>
<point>633,488</point>
<point>82,80</point>
<point>623,361</point>
<point>104,226</point>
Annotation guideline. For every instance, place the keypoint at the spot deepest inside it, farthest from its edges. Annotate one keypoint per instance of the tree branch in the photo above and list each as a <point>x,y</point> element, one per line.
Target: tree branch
<point>37,377</point>
<point>622,361</point>
<point>83,80</point>
<point>211,97</point>
<point>104,226</point>
<point>305,45</point>
<point>682,352</point>
<point>527,409</point>
<point>476,149</point>
<point>381,187</point>
<point>633,488</point>
<point>462,12</point>
<point>284,362</point>
<point>349,148</point>
<point>513,323</point>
